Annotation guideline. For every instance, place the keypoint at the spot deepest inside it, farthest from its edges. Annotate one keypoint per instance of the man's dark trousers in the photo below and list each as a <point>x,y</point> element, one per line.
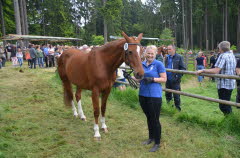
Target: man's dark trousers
<point>225,94</point>
<point>170,84</point>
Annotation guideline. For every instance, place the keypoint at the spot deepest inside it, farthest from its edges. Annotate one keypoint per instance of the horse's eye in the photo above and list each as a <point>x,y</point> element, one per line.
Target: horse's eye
<point>130,52</point>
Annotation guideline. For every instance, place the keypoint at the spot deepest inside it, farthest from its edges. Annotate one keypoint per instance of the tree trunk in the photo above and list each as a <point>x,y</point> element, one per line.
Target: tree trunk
<point>206,27</point>
<point>226,20</point>
<point>17,17</point>
<point>21,9</point>
<point>175,30</point>
<point>223,28</point>
<point>25,16</point>
<point>191,29</point>
<point>186,25</point>
<point>212,39</point>
<point>2,21</point>
<point>183,26</point>
<point>200,38</point>
<point>105,25</point>
<point>238,29</point>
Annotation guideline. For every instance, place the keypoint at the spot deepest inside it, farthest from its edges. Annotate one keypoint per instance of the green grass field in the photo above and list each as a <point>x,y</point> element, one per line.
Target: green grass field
<point>35,123</point>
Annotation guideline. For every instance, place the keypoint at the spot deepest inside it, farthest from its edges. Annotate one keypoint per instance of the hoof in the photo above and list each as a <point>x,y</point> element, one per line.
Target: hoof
<point>75,116</point>
<point>84,119</point>
<point>105,130</point>
<point>97,138</point>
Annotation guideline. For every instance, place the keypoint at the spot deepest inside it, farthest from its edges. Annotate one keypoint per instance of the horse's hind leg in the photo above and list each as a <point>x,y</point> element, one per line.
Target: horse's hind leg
<point>78,98</point>
<point>105,95</point>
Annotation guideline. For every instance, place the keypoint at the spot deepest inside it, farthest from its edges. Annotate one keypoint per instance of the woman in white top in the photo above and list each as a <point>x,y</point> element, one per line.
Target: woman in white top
<point>19,56</point>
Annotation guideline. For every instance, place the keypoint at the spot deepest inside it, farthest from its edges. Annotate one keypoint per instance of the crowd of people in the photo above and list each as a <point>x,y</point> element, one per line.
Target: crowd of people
<point>44,55</point>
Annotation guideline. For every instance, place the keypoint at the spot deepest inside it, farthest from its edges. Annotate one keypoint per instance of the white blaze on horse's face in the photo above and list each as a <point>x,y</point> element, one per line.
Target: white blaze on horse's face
<point>138,51</point>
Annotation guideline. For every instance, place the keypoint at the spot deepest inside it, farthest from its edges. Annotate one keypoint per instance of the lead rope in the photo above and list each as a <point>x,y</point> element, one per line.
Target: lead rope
<point>131,81</point>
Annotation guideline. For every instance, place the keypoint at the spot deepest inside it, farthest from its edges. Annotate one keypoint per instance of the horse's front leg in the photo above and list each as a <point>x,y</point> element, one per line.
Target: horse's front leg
<point>80,110</point>
<point>105,95</point>
<point>95,101</point>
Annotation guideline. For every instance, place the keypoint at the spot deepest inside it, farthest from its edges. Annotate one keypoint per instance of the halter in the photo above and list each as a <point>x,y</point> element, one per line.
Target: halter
<point>126,74</point>
<point>125,47</point>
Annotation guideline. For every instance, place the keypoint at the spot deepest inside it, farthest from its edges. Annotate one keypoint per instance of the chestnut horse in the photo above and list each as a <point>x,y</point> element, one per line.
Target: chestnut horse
<point>95,71</point>
<point>163,49</point>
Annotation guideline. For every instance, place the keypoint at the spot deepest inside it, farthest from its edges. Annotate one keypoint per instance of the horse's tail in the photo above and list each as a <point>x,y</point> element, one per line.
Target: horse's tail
<point>67,86</point>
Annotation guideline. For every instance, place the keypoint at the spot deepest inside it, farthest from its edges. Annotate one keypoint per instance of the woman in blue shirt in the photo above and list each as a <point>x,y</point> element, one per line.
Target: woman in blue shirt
<point>150,95</point>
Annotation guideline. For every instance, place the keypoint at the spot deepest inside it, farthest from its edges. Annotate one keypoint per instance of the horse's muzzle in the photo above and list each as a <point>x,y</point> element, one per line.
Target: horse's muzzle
<point>138,76</point>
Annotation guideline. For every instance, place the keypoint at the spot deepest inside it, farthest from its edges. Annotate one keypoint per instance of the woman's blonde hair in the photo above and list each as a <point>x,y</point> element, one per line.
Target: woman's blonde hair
<point>152,47</point>
<point>200,54</point>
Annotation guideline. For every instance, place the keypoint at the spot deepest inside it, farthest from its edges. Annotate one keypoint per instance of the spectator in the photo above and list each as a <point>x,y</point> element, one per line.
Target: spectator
<point>39,55</point>
<point>150,95</point>
<point>9,51</point>
<point>46,55</point>
<point>121,78</point>
<point>226,64</point>
<point>238,82</point>
<point>20,57</point>
<point>51,56</point>
<point>212,62</point>
<point>199,64</point>
<point>13,56</point>
<point>2,56</point>
<point>33,55</point>
<point>174,61</point>
<point>28,58</point>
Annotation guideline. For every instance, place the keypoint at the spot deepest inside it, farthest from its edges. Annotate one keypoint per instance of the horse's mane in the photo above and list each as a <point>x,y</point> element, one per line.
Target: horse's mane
<point>110,44</point>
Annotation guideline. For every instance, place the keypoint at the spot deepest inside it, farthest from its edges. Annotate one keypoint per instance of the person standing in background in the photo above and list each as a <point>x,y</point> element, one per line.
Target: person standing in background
<point>174,61</point>
<point>33,56</point>
<point>199,64</point>
<point>20,57</point>
<point>226,64</point>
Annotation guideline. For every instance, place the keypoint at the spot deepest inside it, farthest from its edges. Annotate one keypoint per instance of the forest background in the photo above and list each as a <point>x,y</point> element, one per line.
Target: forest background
<point>193,24</point>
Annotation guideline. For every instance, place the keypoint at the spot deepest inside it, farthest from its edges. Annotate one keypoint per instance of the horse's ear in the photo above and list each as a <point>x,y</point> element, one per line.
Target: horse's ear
<point>140,36</point>
<point>125,36</point>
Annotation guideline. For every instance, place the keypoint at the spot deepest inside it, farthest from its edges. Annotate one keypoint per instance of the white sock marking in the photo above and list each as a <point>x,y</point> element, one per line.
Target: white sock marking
<point>80,111</point>
<point>96,131</point>
<point>103,123</point>
<point>74,109</point>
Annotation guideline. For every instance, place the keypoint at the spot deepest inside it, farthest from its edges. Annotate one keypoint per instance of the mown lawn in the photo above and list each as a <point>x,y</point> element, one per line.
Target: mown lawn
<point>35,123</point>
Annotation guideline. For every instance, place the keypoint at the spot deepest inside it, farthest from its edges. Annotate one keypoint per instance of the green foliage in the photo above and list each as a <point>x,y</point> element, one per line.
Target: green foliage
<point>97,40</point>
<point>127,97</point>
<point>233,47</point>
<point>112,9</point>
<point>180,50</point>
<point>166,34</point>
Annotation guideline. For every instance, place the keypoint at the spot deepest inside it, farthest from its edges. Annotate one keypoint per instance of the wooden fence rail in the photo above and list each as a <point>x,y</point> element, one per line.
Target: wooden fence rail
<point>194,73</point>
<point>194,95</point>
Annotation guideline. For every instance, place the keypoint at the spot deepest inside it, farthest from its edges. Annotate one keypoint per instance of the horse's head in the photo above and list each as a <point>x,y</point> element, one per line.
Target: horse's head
<point>133,52</point>
<point>163,49</point>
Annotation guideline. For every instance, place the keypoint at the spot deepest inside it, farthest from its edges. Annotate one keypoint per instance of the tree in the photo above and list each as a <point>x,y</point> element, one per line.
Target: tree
<point>238,29</point>
<point>2,19</point>
<point>17,17</point>
<point>110,11</point>
<point>97,40</point>
<point>166,34</point>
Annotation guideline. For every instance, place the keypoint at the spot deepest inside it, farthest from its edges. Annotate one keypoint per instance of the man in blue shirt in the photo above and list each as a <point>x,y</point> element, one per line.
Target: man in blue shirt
<point>174,61</point>
<point>46,53</point>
